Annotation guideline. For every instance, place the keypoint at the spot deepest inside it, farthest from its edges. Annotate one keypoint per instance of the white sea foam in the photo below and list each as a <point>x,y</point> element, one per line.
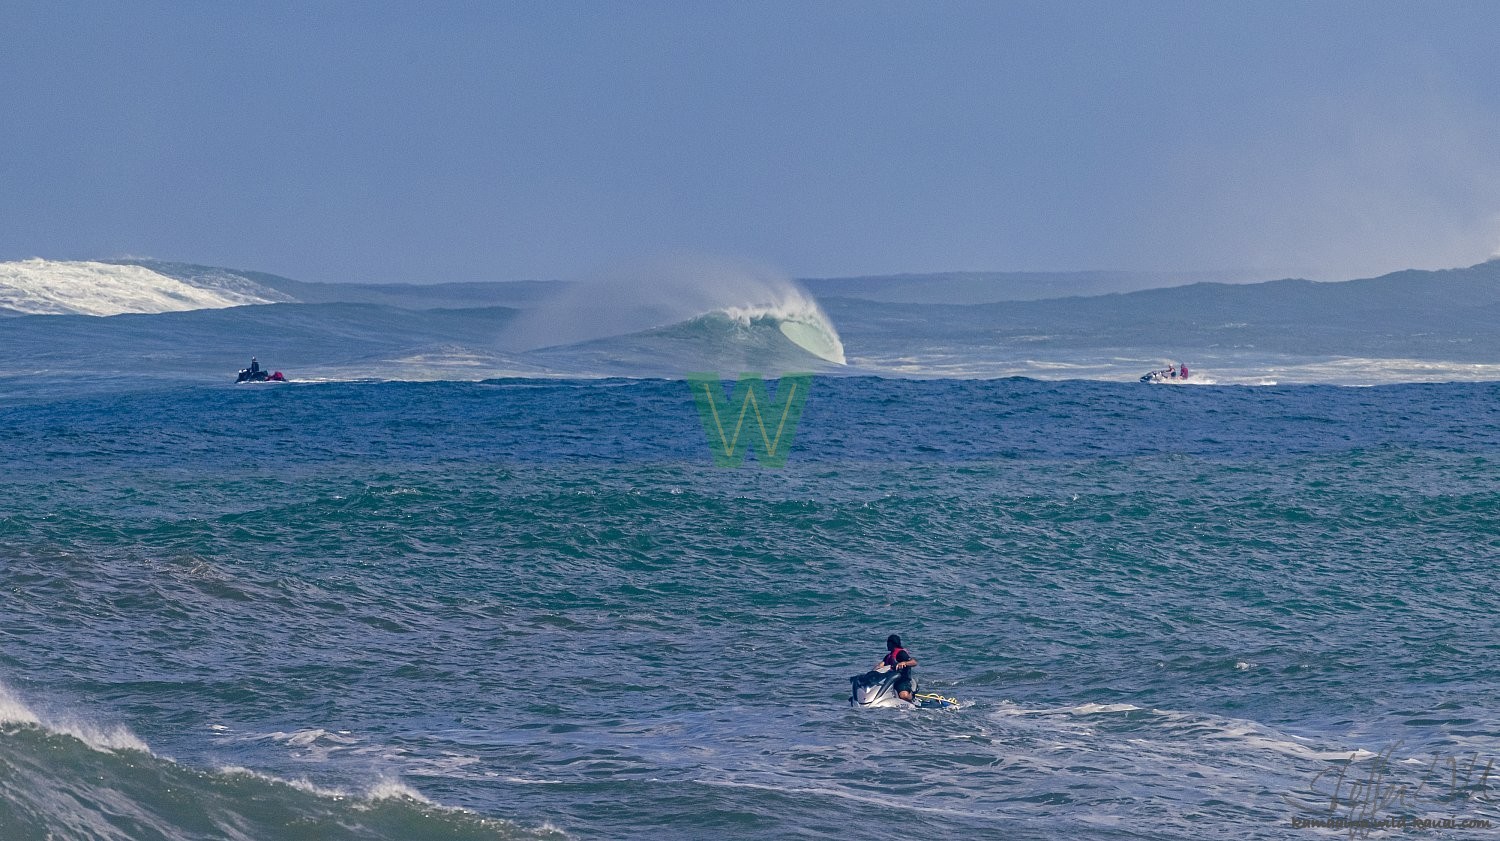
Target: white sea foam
<point>313,744</point>
<point>891,802</point>
<point>300,784</point>
<point>54,287</point>
<point>302,738</point>
<point>1081,709</point>
<point>1088,709</point>
<point>1248,734</point>
<point>388,789</point>
<point>385,788</point>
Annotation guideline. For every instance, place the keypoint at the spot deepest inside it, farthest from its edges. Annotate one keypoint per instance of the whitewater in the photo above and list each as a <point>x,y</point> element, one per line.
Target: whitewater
<point>49,287</point>
<point>464,580</point>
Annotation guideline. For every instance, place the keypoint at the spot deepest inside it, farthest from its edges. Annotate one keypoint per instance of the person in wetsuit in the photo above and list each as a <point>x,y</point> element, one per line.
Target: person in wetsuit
<point>254,366</point>
<point>901,660</point>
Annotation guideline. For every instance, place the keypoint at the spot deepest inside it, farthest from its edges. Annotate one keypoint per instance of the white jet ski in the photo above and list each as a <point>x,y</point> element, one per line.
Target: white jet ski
<point>877,688</point>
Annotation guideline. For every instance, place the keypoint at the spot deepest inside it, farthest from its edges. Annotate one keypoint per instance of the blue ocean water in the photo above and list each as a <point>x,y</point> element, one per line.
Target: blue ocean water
<point>530,608</point>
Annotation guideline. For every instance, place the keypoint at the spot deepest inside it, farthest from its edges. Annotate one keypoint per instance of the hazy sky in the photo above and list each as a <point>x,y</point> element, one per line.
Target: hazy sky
<point>434,141</point>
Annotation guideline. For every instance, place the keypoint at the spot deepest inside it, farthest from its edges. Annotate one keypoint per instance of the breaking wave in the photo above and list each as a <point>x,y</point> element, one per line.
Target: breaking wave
<point>56,287</point>
<point>63,780</point>
<point>772,339</point>
<point>800,320</point>
<point>672,293</point>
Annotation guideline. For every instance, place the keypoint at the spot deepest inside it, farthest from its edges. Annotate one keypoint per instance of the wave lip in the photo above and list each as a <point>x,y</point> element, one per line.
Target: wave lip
<point>800,320</point>
<point>63,287</point>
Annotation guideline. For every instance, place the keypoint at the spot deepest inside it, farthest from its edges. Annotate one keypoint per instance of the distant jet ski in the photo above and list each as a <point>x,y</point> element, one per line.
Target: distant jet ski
<point>257,374</point>
<point>248,376</point>
<point>877,688</point>
<point>1169,374</point>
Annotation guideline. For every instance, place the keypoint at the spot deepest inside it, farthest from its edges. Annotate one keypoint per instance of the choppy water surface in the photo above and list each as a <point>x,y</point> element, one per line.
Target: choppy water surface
<point>533,609</point>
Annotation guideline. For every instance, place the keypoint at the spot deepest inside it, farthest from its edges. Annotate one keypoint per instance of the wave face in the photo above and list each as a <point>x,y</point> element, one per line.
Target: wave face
<point>763,339</point>
<point>70,781</point>
<point>52,287</point>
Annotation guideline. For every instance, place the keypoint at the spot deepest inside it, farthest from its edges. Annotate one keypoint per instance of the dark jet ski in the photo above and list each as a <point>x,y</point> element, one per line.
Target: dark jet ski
<point>257,374</point>
<point>1166,375</point>
<point>248,376</point>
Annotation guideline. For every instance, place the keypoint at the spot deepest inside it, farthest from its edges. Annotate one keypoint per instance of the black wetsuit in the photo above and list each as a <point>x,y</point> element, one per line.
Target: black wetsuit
<point>905,682</point>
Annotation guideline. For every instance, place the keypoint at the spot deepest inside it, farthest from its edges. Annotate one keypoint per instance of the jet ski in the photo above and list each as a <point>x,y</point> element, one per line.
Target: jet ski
<point>877,688</point>
<point>1169,374</point>
<point>260,376</point>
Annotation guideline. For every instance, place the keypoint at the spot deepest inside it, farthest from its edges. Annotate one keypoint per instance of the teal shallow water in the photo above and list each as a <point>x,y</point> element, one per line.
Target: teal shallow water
<point>537,606</point>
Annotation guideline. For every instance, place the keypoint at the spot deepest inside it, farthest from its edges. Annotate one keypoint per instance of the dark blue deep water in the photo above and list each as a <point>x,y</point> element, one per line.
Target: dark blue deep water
<point>528,608</point>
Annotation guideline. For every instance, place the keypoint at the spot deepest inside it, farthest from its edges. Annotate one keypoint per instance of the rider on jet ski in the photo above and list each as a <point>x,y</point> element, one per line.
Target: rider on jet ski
<point>257,374</point>
<point>901,660</point>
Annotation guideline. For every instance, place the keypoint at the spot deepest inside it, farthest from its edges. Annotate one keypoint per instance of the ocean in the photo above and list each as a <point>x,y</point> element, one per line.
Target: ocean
<point>532,606</point>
